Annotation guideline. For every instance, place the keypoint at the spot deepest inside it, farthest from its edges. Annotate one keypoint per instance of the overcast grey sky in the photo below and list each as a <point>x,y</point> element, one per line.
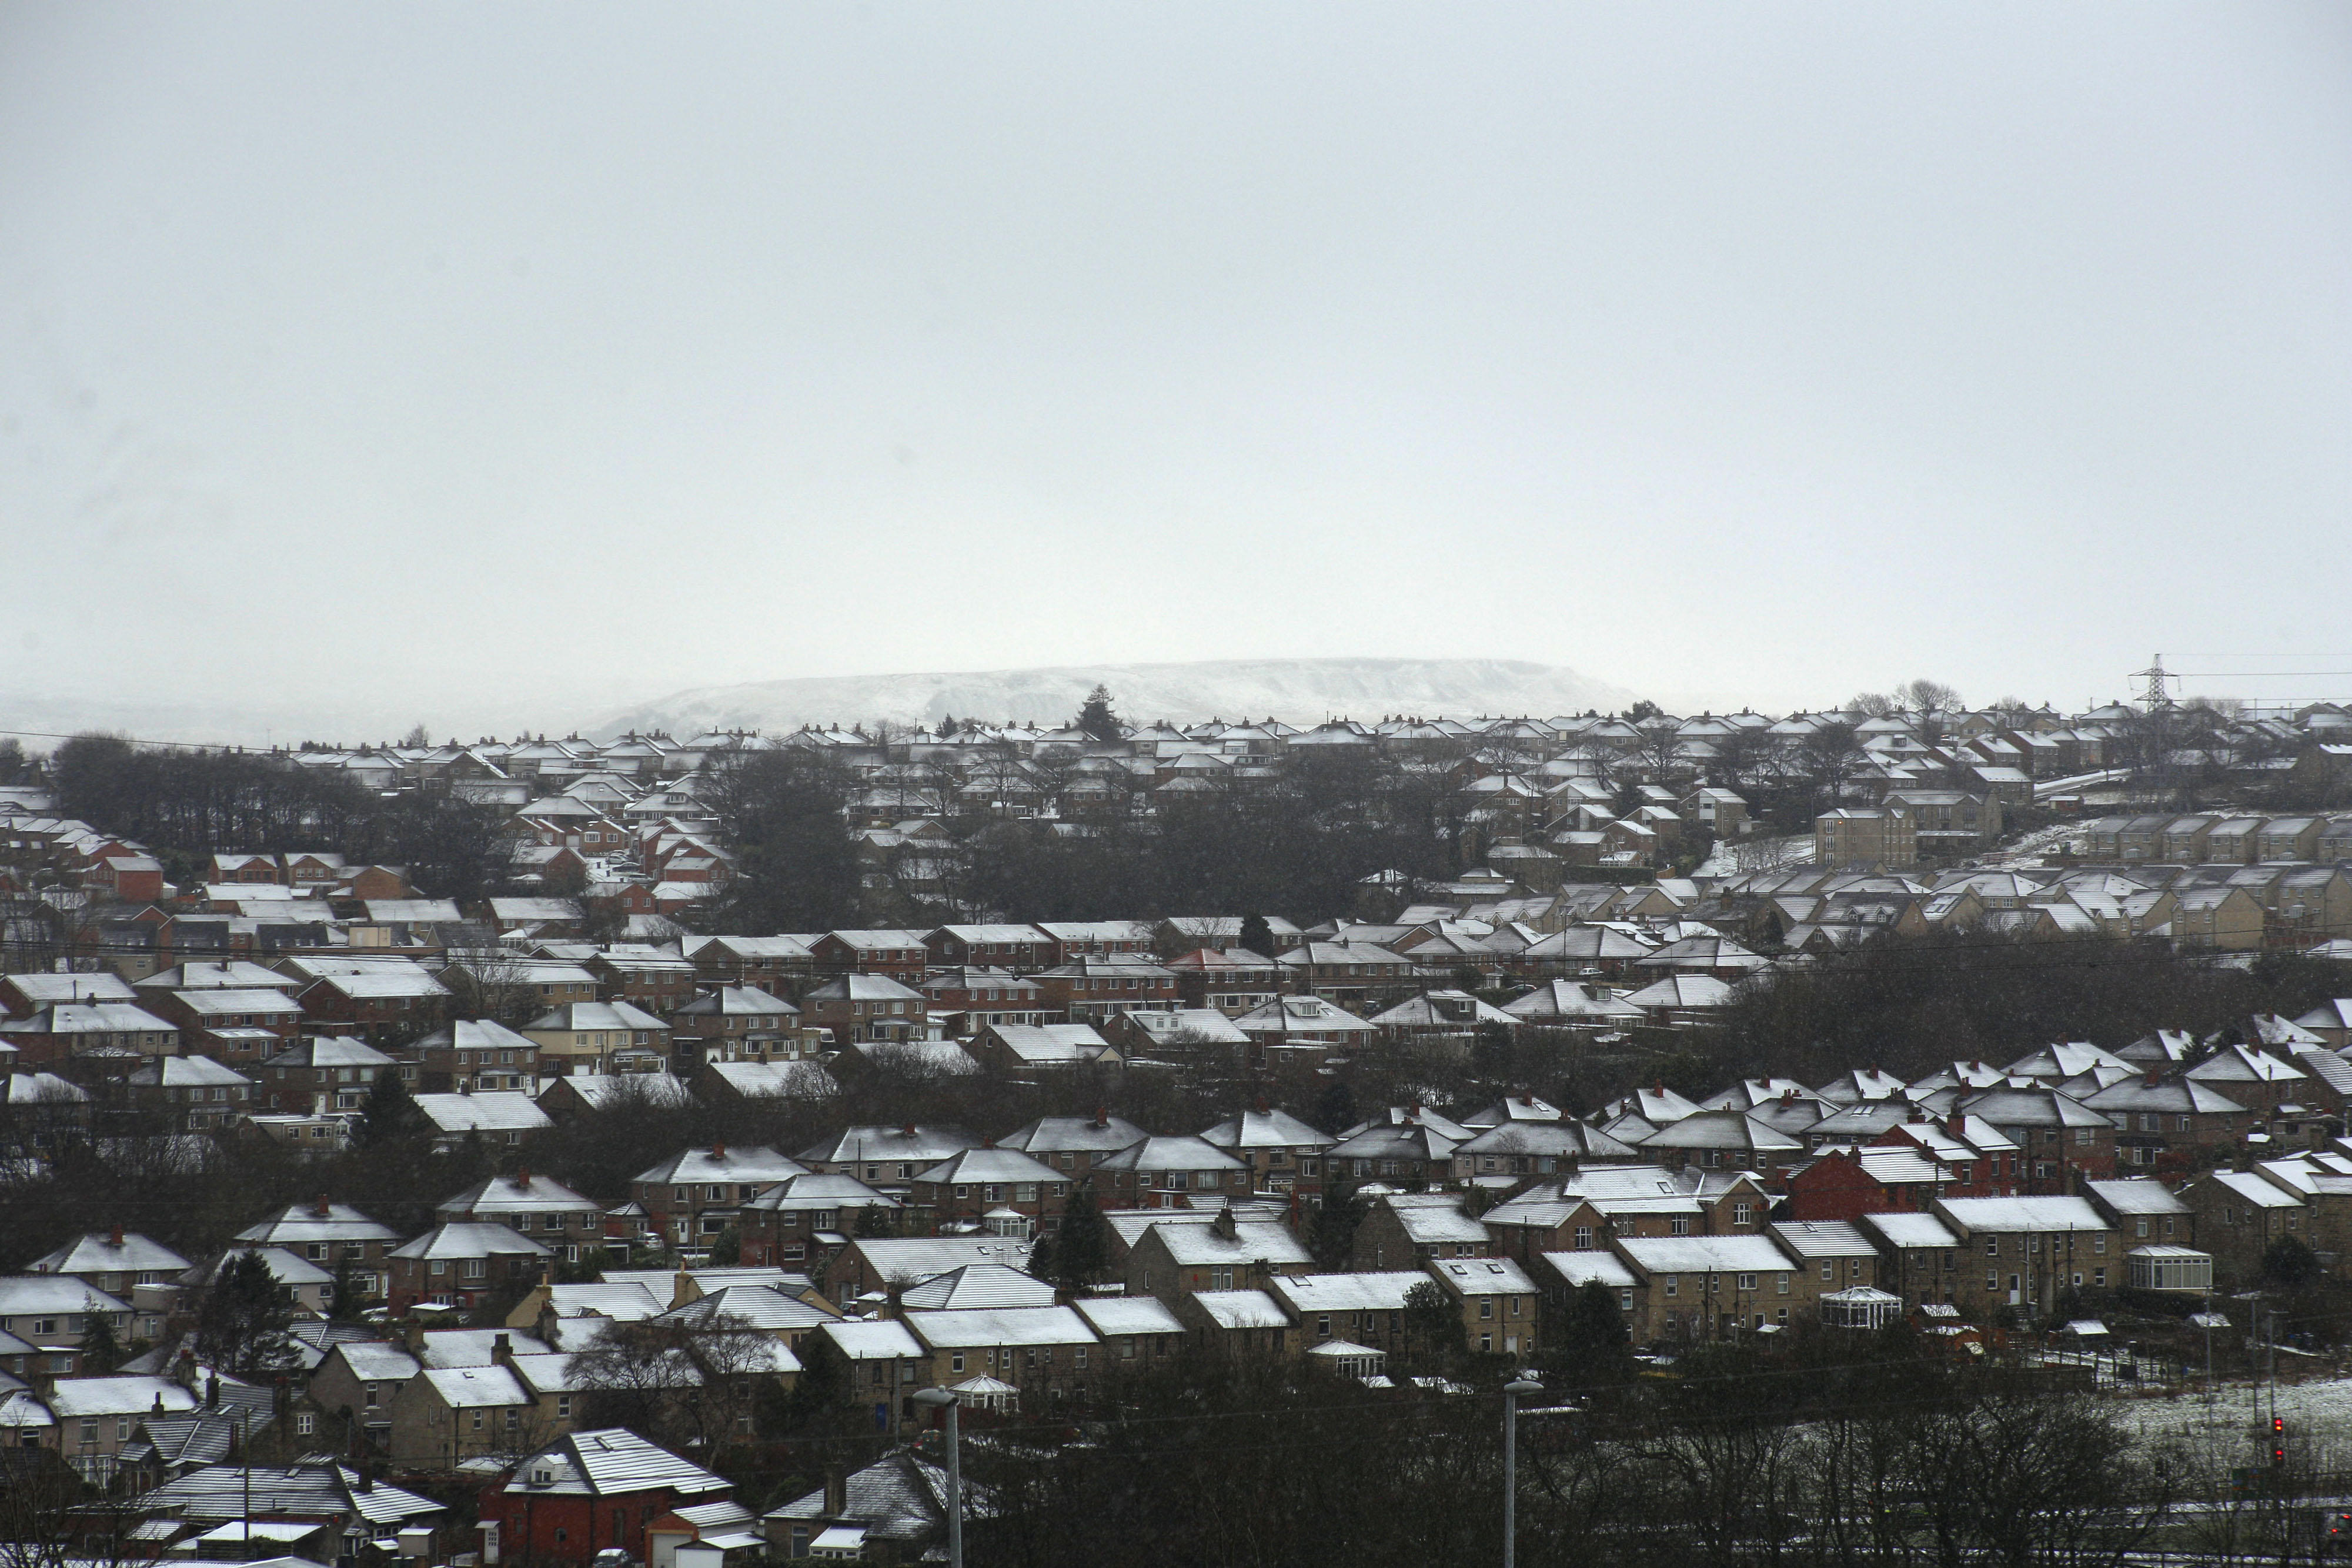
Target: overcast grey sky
<point>500,359</point>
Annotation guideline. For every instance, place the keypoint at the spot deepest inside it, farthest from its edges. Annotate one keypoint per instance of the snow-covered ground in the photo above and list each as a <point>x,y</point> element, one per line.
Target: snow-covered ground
<point>2029,850</point>
<point>1730,858</point>
<point>2231,1426</point>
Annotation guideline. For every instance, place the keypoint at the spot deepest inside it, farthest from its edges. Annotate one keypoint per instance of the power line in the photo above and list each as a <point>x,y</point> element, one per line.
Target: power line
<point>130,740</point>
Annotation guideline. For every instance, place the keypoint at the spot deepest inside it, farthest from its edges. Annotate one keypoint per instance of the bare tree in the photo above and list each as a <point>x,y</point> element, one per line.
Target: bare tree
<point>1924,696</point>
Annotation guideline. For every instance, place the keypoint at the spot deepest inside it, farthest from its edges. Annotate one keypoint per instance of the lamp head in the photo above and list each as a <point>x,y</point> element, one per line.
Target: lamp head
<point>935,1398</point>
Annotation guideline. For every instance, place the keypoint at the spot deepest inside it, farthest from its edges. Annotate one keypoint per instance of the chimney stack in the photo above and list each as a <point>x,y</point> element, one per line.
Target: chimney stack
<point>117,1233</point>
<point>321,1208</point>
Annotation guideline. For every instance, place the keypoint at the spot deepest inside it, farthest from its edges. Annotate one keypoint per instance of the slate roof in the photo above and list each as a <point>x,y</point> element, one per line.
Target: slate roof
<point>611,1462</point>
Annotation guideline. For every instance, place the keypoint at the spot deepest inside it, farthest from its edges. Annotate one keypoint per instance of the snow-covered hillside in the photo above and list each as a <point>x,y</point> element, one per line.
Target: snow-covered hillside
<point>1298,691</point>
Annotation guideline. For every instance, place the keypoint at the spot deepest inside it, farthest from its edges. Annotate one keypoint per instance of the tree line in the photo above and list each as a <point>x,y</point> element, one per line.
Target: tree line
<point>1830,1448</point>
<point>189,805</point>
<point>1299,846</point>
<point>1912,1005</point>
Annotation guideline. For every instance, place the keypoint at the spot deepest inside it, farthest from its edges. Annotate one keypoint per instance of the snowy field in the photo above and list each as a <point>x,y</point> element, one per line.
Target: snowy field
<point>2231,1426</point>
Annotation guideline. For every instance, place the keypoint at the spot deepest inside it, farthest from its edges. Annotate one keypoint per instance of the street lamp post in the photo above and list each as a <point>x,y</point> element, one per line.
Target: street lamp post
<point>1513,1392</point>
<point>946,1399</point>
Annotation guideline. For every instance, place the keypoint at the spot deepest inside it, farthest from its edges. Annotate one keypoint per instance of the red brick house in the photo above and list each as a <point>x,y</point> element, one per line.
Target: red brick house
<point>898,956</point>
<point>587,1493</point>
<point>1087,990</point>
<point>1846,1183</point>
<point>1020,948</point>
<point>131,878</point>
<point>382,1006</point>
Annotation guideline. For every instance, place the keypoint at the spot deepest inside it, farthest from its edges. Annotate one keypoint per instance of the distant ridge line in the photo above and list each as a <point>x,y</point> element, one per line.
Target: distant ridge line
<point>1296,691</point>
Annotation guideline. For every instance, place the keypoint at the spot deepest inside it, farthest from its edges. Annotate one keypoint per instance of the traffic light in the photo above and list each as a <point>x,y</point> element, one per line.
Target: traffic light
<point>2278,1442</point>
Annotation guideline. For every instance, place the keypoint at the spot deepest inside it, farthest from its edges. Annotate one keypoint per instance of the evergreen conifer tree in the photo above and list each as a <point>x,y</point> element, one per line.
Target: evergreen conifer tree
<point>100,1350</point>
<point>1096,717</point>
<point>1257,936</point>
<point>389,1113</point>
<point>1081,1248</point>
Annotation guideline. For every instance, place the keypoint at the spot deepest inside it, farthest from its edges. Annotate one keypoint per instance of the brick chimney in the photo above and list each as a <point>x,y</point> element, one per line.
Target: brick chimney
<point>523,1179</point>
<point>320,1207</point>
<point>117,1233</point>
<point>719,1151</point>
<point>502,1351</point>
<point>836,1492</point>
<point>1102,1116</point>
